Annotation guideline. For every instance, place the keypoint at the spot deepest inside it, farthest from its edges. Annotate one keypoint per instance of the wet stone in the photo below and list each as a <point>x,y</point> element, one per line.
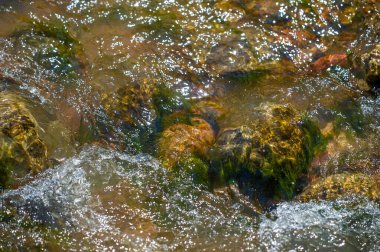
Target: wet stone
<point>277,149</point>
<point>130,104</point>
<point>371,64</point>
<point>21,149</point>
<point>49,44</point>
<point>343,185</point>
<point>180,141</point>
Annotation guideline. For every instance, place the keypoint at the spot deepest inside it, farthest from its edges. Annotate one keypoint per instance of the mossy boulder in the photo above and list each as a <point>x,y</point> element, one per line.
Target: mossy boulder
<point>209,109</point>
<point>277,148</point>
<point>371,65</point>
<point>171,107</point>
<point>149,108</point>
<point>21,149</point>
<point>180,141</point>
<point>230,154</point>
<point>196,167</point>
<point>131,104</point>
<point>141,103</point>
<point>367,69</point>
<point>343,185</point>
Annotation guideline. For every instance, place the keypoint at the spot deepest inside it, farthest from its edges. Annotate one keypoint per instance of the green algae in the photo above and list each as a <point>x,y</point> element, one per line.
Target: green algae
<point>278,148</point>
<point>170,107</point>
<point>195,167</point>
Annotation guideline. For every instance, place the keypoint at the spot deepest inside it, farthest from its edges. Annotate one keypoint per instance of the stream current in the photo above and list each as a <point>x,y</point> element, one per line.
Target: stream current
<point>99,197</point>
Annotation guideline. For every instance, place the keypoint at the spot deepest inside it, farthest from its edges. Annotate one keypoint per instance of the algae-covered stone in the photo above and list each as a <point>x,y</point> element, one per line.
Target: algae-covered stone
<point>196,167</point>
<point>342,185</point>
<point>131,104</point>
<point>371,64</point>
<point>171,107</point>
<point>231,151</point>
<point>209,109</point>
<point>182,140</point>
<point>21,149</point>
<point>278,147</point>
<point>367,69</point>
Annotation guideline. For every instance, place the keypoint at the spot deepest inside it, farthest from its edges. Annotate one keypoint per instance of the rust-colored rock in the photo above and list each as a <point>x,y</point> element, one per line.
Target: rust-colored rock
<point>329,60</point>
<point>181,140</point>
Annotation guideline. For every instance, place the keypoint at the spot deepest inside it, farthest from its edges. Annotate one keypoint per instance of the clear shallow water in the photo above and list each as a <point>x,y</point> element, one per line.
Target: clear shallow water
<point>248,53</point>
<point>106,200</point>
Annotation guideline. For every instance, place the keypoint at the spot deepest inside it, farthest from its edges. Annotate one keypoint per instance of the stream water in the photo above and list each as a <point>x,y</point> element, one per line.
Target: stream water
<point>105,200</point>
<point>104,192</point>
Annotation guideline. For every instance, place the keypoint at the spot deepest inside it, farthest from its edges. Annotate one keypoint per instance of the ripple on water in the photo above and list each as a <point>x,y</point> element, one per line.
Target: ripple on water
<point>343,225</point>
<point>103,199</point>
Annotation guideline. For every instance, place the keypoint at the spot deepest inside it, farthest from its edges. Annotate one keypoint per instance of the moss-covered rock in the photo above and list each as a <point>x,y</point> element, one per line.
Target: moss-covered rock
<point>371,65</point>
<point>189,132</point>
<point>21,149</point>
<point>209,109</point>
<point>131,104</point>
<point>342,185</point>
<point>196,167</point>
<point>140,104</point>
<point>149,108</point>
<point>277,148</point>
<point>231,152</point>
<point>170,107</point>
<point>181,140</point>
<point>366,68</point>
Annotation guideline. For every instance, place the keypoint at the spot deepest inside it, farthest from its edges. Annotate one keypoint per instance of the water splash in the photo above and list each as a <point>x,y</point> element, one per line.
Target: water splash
<point>103,199</point>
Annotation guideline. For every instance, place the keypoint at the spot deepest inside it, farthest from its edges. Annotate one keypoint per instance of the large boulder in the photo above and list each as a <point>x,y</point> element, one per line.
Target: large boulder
<point>21,149</point>
<point>343,185</point>
<point>277,148</point>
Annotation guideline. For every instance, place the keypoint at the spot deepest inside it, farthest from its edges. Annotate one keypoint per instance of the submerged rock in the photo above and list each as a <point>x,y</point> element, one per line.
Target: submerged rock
<point>327,61</point>
<point>21,149</point>
<point>130,104</point>
<point>371,64</point>
<point>277,148</point>
<point>51,45</point>
<point>366,69</point>
<point>232,151</point>
<point>209,109</point>
<point>181,141</point>
<point>196,167</point>
<point>341,185</point>
<point>44,58</point>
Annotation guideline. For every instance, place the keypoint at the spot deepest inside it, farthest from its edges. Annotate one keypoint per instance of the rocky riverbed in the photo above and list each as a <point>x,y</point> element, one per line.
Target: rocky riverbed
<point>217,125</point>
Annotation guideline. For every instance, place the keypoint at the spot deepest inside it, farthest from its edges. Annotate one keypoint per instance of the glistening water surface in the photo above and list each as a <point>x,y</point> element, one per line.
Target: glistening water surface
<point>89,71</point>
<point>106,200</point>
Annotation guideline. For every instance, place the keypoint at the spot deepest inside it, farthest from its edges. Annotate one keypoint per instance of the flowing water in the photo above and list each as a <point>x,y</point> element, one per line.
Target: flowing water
<point>105,200</point>
<point>105,192</point>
